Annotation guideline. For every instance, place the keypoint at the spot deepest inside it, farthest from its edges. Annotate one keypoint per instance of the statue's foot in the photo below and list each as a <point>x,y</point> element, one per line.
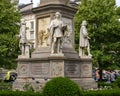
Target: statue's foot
<point>60,52</point>
<point>52,52</point>
<point>90,55</point>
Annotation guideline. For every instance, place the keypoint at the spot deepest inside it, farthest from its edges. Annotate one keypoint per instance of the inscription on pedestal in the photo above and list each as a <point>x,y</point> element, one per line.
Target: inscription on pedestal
<point>72,70</point>
<point>40,69</point>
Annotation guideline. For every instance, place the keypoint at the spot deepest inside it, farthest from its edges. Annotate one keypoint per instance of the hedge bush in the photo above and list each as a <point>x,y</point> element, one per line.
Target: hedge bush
<point>113,92</point>
<point>5,86</point>
<point>117,82</point>
<point>104,84</point>
<point>61,86</point>
<point>19,93</point>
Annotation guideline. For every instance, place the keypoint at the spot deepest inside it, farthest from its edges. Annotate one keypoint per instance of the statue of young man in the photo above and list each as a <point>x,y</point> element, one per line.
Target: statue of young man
<point>57,29</point>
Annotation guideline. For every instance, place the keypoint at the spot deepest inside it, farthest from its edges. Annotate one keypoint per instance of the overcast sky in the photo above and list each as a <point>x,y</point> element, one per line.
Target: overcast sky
<point>118,2</point>
<point>36,2</point>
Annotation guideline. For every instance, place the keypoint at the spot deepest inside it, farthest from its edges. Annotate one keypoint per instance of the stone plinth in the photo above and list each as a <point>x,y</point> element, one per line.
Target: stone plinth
<point>42,70</point>
<point>86,81</point>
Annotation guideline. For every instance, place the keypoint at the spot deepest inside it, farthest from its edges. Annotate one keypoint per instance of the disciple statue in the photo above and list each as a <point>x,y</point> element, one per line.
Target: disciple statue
<point>57,31</point>
<point>22,37</point>
<point>84,40</point>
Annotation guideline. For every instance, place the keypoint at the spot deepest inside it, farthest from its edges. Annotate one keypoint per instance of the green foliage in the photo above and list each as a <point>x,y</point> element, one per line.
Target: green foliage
<point>117,82</point>
<point>5,86</point>
<point>18,93</point>
<point>8,50</point>
<point>9,20</point>
<point>118,11</point>
<point>28,87</point>
<point>61,87</point>
<point>103,28</point>
<point>104,84</point>
<point>9,17</point>
<point>115,92</point>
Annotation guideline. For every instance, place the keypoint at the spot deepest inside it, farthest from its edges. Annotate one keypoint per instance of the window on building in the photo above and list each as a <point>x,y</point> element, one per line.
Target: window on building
<point>32,25</point>
<point>32,35</point>
<point>32,30</point>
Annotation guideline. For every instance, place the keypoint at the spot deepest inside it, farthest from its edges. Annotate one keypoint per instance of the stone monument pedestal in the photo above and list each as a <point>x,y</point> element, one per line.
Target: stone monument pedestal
<point>43,66</point>
<point>37,72</point>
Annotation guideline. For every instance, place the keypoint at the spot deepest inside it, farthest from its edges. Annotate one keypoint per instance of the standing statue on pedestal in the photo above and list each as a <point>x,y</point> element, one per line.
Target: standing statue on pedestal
<point>57,31</point>
<point>23,44</point>
<point>84,40</point>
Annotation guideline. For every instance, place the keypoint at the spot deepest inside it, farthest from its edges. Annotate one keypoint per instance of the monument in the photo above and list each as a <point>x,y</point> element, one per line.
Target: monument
<point>54,55</point>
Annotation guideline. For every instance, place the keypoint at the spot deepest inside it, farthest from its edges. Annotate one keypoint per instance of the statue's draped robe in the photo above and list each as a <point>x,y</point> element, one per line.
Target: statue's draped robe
<point>56,28</point>
<point>23,38</point>
<point>83,37</point>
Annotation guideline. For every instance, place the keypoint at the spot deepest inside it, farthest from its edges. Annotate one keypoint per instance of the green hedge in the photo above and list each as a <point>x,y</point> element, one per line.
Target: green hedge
<point>114,92</point>
<point>61,86</point>
<point>104,84</point>
<point>117,82</point>
<point>18,93</point>
<point>5,86</point>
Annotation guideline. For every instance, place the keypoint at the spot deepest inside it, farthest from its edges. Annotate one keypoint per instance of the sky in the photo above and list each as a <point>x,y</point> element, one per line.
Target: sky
<point>118,2</point>
<point>36,2</point>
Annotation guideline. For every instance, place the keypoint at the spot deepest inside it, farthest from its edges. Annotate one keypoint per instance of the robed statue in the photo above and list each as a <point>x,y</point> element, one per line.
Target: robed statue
<point>57,29</point>
<point>84,40</point>
<point>23,43</point>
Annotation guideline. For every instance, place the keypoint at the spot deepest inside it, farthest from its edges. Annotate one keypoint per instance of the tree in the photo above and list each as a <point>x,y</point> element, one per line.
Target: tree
<point>118,11</point>
<point>9,19</point>
<point>104,31</point>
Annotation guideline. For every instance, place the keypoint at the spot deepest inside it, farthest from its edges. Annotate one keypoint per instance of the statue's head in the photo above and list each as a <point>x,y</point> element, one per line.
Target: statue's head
<point>57,15</point>
<point>84,23</point>
<point>23,21</point>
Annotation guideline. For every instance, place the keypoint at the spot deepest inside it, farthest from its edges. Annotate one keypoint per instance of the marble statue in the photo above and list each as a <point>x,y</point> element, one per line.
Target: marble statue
<point>84,40</point>
<point>57,32</point>
<point>23,44</point>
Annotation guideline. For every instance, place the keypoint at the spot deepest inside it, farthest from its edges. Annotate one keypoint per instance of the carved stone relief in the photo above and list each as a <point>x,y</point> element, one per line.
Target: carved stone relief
<point>43,37</point>
<point>23,69</point>
<point>57,68</point>
<point>86,70</point>
<point>68,40</point>
<point>43,32</point>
